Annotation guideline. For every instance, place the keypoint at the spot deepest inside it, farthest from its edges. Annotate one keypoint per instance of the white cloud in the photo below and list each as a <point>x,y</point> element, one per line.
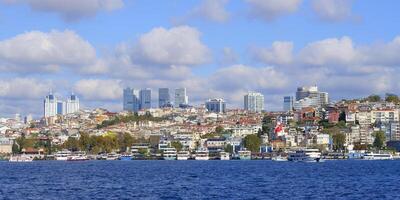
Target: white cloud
<point>98,89</point>
<point>229,56</point>
<point>71,10</point>
<point>40,51</point>
<point>271,9</point>
<point>332,10</point>
<point>176,46</point>
<point>23,88</point>
<point>213,10</point>
<point>279,54</point>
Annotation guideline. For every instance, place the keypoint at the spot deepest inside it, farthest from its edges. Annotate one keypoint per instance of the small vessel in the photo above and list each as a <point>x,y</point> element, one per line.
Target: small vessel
<point>21,158</point>
<point>169,153</point>
<point>183,155</point>
<point>224,155</point>
<point>305,155</point>
<point>244,154</point>
<point>279,158</point>
<point>202,154</point>
<point>62,155</point>
<point>126,157</point>
<point>112,156</point>
<point>77,156</point>
<point>377,156</point>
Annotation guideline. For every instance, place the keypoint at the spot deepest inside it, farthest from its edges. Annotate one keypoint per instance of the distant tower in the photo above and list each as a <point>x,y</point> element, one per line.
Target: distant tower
<point>163,97</point>
<point>180,97</point>
<point>50,105</point>
<point>72,104</point>
<point>254,102</point>
<point>131,100</point>
<point>145,98</point>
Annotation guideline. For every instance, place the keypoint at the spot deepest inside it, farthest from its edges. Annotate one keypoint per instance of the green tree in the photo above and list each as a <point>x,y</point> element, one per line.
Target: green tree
<point>373,98</point>
<point>228,148</point>
<point>84,142</point>
<point>219,129</point>
<point>71,144</point>
<point>380,139</point>
<point>252,143</point>
<point>177,145</point>
<point>338,141</point>
<point>391,98</point>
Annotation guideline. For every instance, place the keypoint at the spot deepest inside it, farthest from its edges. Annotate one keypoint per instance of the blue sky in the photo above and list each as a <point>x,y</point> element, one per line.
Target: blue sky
<point>215,48</point>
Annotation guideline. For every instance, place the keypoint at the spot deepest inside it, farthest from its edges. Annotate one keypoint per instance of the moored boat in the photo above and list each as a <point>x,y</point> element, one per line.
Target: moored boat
<point>305,155</point>
<point>244,154</point>
<point>377,156</point>
<point>183,155</point>
<point>62,155</point>
<point>169,153</point>
<point>126,157</point>
<point>279,158</point>
<point>202,154</point>
<point>224,155</point>
<point>21,158</point>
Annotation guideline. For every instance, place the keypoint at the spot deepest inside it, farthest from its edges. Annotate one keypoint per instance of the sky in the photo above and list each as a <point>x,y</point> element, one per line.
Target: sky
<point>214,48</point>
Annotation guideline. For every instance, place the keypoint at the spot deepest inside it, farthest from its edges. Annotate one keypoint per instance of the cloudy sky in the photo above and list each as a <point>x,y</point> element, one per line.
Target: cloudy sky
<point>214,48</point>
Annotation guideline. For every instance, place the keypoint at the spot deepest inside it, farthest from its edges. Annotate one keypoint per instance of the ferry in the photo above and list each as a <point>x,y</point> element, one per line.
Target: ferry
<point>169,153</point>
<point>305,155</point>
<point>202,154</point>
<point>126,157</point>
<point>224,155</point>
<point>62,155</point>
<point>377,156</point>
<point>112,156</point>
<point>21,158</point>
<point>183,155</point>
<point>279,158</point>
<point>244,154</point>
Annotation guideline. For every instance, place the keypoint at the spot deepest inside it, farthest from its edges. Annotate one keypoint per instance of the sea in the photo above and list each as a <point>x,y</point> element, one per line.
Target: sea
<point>235,179</point>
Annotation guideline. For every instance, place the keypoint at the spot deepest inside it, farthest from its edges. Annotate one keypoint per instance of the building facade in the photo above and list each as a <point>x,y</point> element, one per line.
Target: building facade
<point>163,97</point>
<point>181,98</point>
<point>254,102</point>
<point>287,103</point>
<point>145,98</point>
<point>131,100</point>
<point>216,105</point>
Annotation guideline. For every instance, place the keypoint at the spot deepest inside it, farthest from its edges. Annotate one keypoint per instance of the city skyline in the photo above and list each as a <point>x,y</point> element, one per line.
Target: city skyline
<point>228,48</point>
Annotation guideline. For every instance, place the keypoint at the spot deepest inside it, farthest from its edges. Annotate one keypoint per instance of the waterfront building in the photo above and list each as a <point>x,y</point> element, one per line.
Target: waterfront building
<point>72,104</point>
<point>131,100</point>
<point>145,98</point>
<point>287,103</point>
<point>216,105</point>
<point>50,105</point>
<point>181,98</point>
<point>254,102</point>
<point>163,97</point>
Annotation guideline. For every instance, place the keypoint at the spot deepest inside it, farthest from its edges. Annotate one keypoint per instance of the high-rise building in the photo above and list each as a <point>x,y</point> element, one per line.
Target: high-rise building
<point>131,100</point>
<point>72,104</point>
<point>216,105</point>
<point>310,97</point>
<point>287,103</point>
<point>61,108</point>
<point>163,97</point>
<point>181,99</point>
<point>254,102</point>
<point>145,98</point>
<point>50,105</point>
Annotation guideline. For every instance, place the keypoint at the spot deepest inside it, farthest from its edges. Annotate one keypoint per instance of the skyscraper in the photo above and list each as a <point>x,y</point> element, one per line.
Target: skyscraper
<point>72,104</point>
<point>180,97</point>
<point>50,105</point>
<point>310,97</point>
<point>145,98</point>
<point>163,97</point>
<point>287,103</point>
<point>216,105</point>
<point>131,100</point>
<point>254,102</point>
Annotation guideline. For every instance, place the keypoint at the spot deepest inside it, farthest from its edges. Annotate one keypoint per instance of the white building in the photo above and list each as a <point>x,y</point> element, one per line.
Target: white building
<point>180,97</point>
<point>254,102</point>
<point>384,116</point>
<point>50,105</point>
<point>54,106</point>
<point>216,105</point>
<point>72,104</point>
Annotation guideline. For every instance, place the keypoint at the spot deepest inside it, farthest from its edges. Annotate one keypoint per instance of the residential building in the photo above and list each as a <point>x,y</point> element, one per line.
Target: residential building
<point>145,98</point>
<point>216,105</point>
<point>72,104</point>
<point>163,97</point>
<point>181,98</point>
<point>254,102</point>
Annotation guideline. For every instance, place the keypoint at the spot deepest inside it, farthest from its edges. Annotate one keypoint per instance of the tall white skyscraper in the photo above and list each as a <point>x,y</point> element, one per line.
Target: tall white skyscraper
<point>72,104</point>
<point>50,105</point>
<point>180,97</point>
<point>254,102</point>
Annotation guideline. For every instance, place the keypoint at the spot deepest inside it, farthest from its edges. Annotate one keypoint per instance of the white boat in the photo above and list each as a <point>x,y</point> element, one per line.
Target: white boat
<point>202,154</point>
<point>224,155</point>
<point>62,155</point>
<point>21,158</point>
<point>279,158</point>
<point>183,155</point>
<point>377,156</point>
<point>305,155</point>
<point>78,157</point>
<point>112,156</point>
<point>244,154</point>
<point>169,153</point>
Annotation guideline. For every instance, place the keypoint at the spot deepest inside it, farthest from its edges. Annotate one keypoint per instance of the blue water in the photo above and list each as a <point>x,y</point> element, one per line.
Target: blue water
<point>200,180</point>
